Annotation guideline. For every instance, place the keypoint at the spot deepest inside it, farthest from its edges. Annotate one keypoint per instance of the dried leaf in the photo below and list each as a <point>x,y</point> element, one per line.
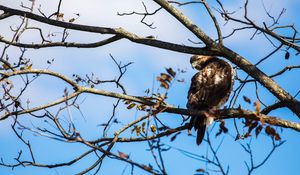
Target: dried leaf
<point>29,67</point>
<point>171,72</point>
<point>133,129</point>
<point>166,77</point>
<point>153,128</point>
<point>131,106</point>
<point>246,135</point>
<point>287,55</point>
<point>141,107</point>
<point>247,122</point>
<point>17,104</point>
<point>123,155</point>
<point>72,20</point>
<point>158,78</point>
<point>246,99</point>
<point>138,130</point>
<point>277,137</point>
<point>200,170</point>
<point>270,131</point>
<point>143,127</point>
<point>5,66</point>
<point>252,126</point>
<point>164,85</point>
<point>148,168</point>
<point>60,15</point>
<point>258,130</point>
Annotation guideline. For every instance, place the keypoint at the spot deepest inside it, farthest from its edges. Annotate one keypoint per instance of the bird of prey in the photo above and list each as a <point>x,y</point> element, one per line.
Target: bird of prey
<point>210,88</point>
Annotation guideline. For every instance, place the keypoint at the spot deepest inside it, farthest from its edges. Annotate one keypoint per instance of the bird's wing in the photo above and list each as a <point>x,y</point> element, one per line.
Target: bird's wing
<point>211,86</point>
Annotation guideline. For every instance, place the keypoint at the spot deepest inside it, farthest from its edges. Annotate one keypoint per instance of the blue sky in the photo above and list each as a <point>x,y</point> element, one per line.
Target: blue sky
<point>148,63</point>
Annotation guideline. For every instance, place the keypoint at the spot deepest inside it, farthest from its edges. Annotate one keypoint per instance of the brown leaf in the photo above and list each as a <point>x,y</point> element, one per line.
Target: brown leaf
<point>72,20</point>
<point>164,85</point>
<point>270,131</point>
<point>133,129</point>
<point>258,130</point>
<point>158,78</point>
<point>143,127</point>
<point>142,107</point>
<point>247,122</point>
<point>29,67</point>
<point>171,72</point>
<point>123,155</point>
<point>287,55</point>
<point>246,99</point>
<point>166,77</point>
<point>246,135</point>
<point>148,168</point>
<point>138,130</point>
<point>60,15</point>
<point>131,106</point>
<point>200,170</point>
<point>17,104</point>
<point>277,137</point>
<point>5,66</point>
<point>153,128</point>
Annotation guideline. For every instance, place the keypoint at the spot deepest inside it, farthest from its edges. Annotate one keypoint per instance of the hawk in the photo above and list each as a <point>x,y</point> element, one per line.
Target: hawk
<point>210,88</point>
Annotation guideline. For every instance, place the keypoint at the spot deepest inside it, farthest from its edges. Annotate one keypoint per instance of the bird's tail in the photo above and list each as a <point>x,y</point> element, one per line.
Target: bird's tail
<point>199,124</point>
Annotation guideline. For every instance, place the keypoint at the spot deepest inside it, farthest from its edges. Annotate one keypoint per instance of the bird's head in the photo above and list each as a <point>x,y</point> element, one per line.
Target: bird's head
<point>198,61</point>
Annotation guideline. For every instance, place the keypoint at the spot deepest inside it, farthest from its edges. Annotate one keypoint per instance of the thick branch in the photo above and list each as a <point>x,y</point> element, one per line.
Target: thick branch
<point>114,31</point>
<point>223,114</point>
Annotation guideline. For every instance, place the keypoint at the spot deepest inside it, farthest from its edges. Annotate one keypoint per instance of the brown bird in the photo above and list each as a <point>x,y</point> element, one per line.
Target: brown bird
<point>210,89</point>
